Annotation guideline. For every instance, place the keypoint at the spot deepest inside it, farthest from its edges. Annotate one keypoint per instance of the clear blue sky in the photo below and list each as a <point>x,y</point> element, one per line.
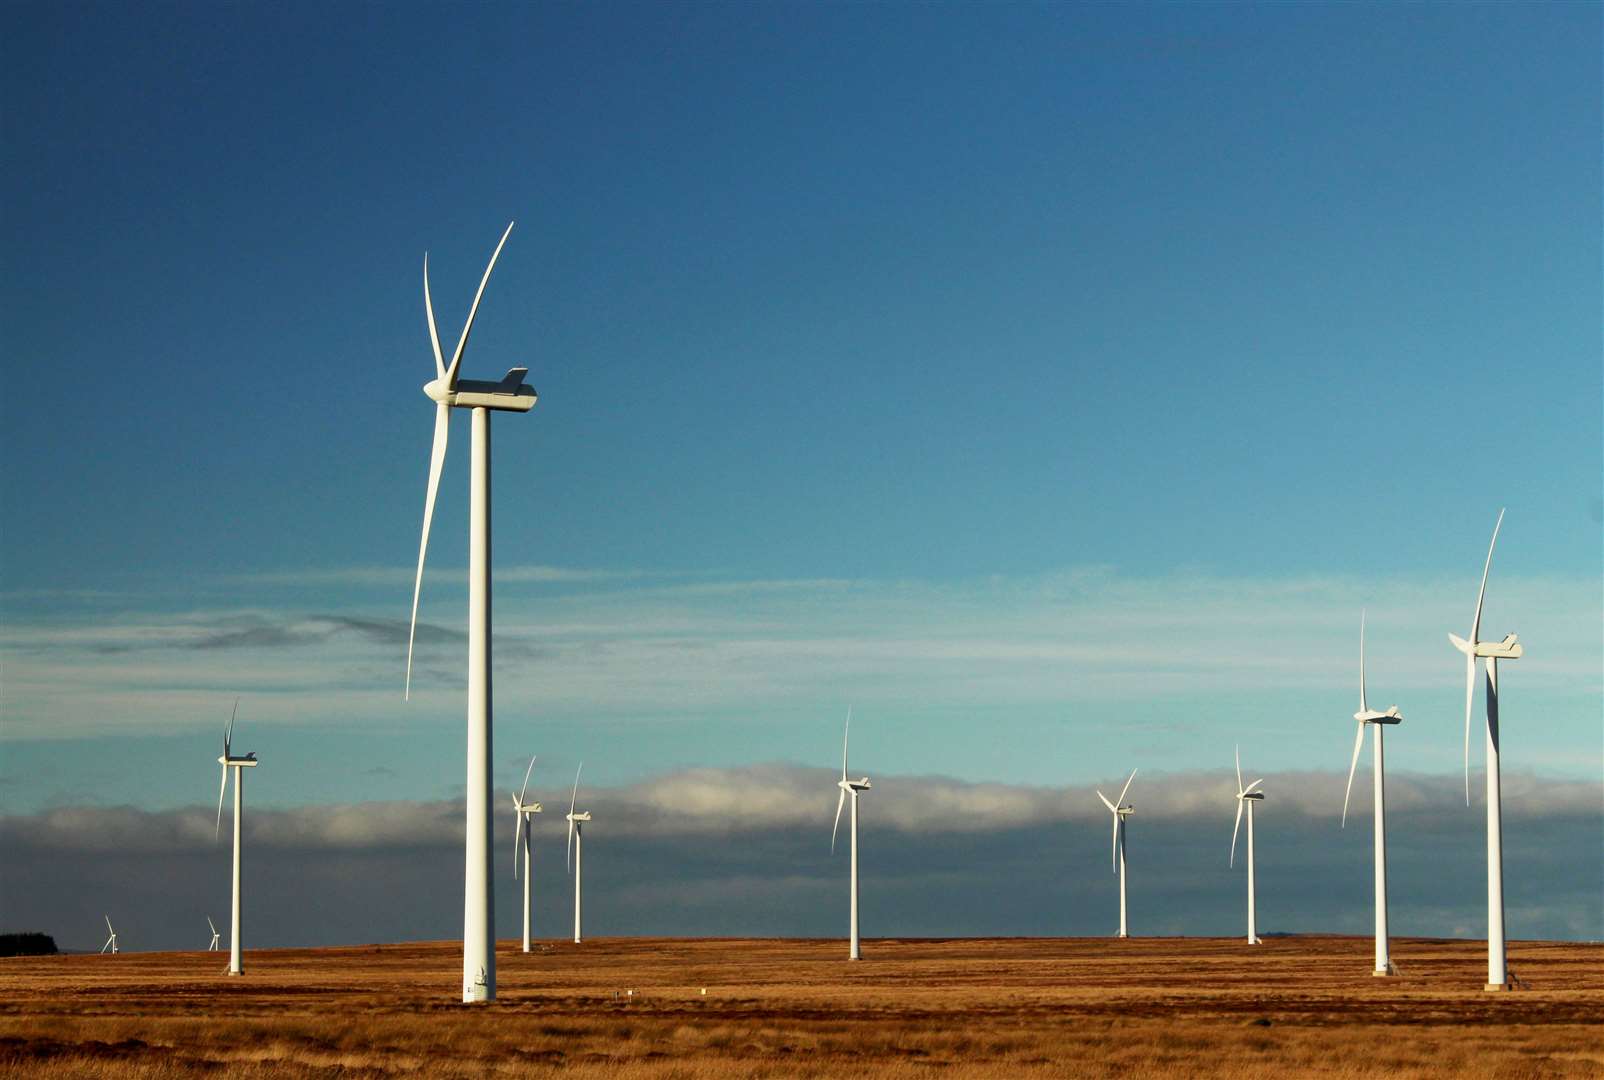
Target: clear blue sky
<point>909,312</point>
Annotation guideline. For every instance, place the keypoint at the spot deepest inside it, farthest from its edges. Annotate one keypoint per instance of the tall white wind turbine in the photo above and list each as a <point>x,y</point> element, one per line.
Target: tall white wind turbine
<point>576,852</point>
<point>1120,812</point>
<point>239,764</point>
<point>1246,796</point>
<point>111,942</point>
<point>520,837</point>
<point>1368,717</point>
<point>448,391</point>
<point>216,937</point>
<point>850,787</point>
<point>1492,652</point>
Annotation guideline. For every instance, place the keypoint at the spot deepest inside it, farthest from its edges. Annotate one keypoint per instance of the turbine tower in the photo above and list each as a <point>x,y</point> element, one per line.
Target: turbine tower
<point>576,852</point>
<point>850,787</point>
<point>238,764</point>
<point>1492,652</point>
<point>1366,716</point>
<point>1120,812</point>
<point>1246,796</point>
<point>520,835</point>
<point>448,391</point>
<point>111,942</point>
<point>216,937</point>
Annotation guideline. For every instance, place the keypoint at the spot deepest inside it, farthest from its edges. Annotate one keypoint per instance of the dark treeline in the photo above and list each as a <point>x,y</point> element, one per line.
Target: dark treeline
<point>28,943</point>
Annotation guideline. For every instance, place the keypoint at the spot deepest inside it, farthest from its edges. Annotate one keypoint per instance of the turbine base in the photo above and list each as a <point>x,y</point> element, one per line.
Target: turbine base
<point>1494,988</point>
<point>1382,974</point>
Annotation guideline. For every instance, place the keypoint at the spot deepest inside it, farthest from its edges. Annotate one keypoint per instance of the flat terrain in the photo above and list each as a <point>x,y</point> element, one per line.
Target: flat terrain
<point>1051,1007</point>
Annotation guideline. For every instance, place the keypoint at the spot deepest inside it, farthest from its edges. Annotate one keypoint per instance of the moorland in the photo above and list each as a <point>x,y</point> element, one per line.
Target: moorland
<point>662,1009</point>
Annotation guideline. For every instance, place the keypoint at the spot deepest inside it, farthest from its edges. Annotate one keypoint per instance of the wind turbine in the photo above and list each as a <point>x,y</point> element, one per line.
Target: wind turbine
<point>215,935</point>
<point>1379,720</point>
<point>521,835</point>
<point>1120,812</point>
<point>850,787</point>
<point>229,761</point>
<point>1492,652</point>
<point>1246,796</point>
<point>447,391</point>
<point>576,850</point>
<point>111,942</point>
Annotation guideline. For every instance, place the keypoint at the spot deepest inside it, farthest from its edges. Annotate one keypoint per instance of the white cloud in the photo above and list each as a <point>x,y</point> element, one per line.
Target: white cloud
<point>764,798</point>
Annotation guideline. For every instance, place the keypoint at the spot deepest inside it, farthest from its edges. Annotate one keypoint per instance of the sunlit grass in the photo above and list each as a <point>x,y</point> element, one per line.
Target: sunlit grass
<point>1013,1008</point>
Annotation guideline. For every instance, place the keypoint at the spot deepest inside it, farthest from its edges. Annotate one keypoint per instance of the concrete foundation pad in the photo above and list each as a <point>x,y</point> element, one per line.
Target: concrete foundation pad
<point>1497,987</point>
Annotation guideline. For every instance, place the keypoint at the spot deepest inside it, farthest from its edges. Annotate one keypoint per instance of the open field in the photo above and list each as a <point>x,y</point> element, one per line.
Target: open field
<point>1050,1007</point>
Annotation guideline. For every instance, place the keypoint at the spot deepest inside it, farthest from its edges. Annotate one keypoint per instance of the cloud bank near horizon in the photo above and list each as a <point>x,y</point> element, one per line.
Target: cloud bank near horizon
<point>704,851</point>
<point>704,801</point>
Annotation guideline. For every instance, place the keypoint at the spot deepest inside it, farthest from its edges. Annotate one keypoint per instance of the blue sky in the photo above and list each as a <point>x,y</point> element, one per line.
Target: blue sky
<point>1056,383</point>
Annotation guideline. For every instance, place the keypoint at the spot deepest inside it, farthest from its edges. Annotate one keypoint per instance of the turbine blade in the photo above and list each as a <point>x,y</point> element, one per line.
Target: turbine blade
<point>434,335</point>
<point>1358,744</point>
<point>527,771</point>
<point>845,735</point>
<point>1475,627</point>
<point>108,926</point>
<point>517,834</point>
<point>573,799</point>
<point>839,803</point>
<point>1362,706</point>
<point>1470,699</point>
<point>437,459</point>
<point>1234,828</point>
<point>1239,770</point>
<point>1113,854</point>
<point>221,791</point>
<point>211,924</point>
<point>569,859</point>
<point>228,735</point>
<point>1249,789</point>
<point>1121,800</point>
<point>462,342</point>
<point>1106,803</point>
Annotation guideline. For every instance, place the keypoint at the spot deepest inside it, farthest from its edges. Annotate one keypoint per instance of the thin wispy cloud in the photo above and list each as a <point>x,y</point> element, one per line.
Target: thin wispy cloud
<point>1080,636</point>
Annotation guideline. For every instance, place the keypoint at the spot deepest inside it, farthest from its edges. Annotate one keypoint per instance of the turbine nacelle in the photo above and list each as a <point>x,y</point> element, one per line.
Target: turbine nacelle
<point>1508,649</point>
<point>243,762</point>
<point>860,784</point>
<point>1251,795</point>
<point>1370,716</point>
<point>583,815</point>
<point>511,394</point>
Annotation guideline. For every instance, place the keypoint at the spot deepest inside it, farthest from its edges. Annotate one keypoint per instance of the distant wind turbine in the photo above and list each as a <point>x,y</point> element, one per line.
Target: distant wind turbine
<point>850,787</point>
<point>1366,716</point>
<point>111,942</point>
<point>1120,812</point>
<point>1492,652</point>
<point>576,852</point>
<point>447,391</point>
<point>215,935</point>
<point>520,836</point>
<point>1246,796</point>
<point>239,765</point>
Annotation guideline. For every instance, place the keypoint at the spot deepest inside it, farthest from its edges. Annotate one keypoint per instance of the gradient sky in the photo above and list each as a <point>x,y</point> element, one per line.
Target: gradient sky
<point>1055,383</point>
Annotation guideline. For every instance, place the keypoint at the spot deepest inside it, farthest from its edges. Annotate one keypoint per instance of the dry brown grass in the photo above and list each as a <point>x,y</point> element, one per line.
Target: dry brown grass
<point>1028,1008</point>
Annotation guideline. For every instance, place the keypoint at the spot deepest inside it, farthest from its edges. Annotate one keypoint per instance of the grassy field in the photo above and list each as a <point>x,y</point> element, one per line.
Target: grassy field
<point>1052,1007</point>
